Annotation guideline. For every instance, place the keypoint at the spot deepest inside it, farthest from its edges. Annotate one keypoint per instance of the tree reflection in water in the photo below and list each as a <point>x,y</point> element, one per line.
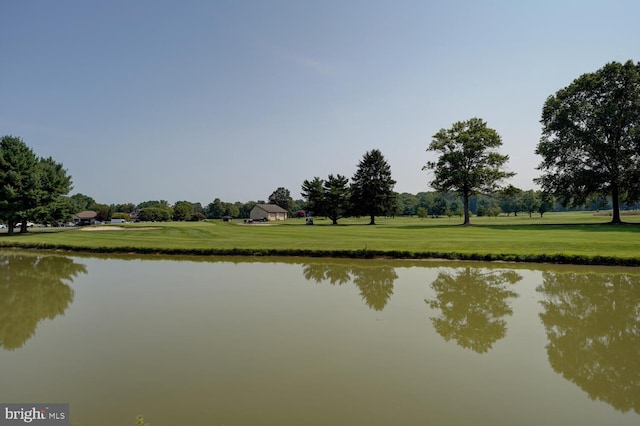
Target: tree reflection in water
<point>593,326</point>
<point>32,289</point>
<point>375,282</point>
<point>473,303</point>
<point>319,272</point>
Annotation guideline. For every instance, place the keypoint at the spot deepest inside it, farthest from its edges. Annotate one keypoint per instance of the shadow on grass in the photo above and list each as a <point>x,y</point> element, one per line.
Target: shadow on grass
<point>26,234</point>
<point>583,226</point>
<point>588,227</point>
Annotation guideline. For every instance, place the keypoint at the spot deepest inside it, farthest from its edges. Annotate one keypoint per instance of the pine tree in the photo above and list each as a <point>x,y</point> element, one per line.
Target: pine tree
<point>372,187</point>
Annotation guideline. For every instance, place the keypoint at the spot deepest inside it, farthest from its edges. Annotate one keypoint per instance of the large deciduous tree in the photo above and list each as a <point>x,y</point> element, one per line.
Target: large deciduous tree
<point>83,202</point>
<point>372,187</point>
<point>215,209</point>
<point>104,212</point>
<point>530,201</point>
<point>182,210</point>
<point>468,163</point>
<point>510,199</point>
<point>591,137</point>
<point>282,198</point>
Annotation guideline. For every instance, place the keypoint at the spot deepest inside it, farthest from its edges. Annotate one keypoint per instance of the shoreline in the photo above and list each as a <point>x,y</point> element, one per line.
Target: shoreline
<point>360,254</point>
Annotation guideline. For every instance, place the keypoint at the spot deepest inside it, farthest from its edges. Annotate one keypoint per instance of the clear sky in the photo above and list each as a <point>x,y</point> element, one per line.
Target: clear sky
<point>196,100</point>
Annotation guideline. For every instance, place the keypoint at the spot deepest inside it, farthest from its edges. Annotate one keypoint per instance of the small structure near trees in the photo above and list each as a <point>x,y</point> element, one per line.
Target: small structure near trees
<point>269,212</point>
<point>87,217</point>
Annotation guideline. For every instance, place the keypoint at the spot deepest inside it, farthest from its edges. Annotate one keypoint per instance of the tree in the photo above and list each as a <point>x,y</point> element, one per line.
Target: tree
<point>121,215</point>
<point>104,211</point>
<point>530,201</point>
<point>154,214</point>
<point>547,203</point>
<point>52,183</point>
<point>245,208</point>
<point>30,187</point>
<point>407,204</point>
<point>18,180</point>
<point>591,137</point>
<point>313,193</point>
<point>215,209</point>
<point>282,197</point>
<point>336,197</point>
<point>231,209</point>
<point>488,206</point>
<point>155,203</point>
<point>154,210</point>
<point>60,210</point>
<point>422,212</point>
<point>182,210</point>
<point>124,208</point>
<point>438,206</point>
<point>510,199</point>
<point>454,208</point>
<point>468,163</point>
<point>372,187</point>
<point>218,208</point>
<point>598,202</point>
<point>82,202</point>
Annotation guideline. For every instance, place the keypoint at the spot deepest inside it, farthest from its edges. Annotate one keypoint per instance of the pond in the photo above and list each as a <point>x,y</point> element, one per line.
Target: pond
<point>228,341</point>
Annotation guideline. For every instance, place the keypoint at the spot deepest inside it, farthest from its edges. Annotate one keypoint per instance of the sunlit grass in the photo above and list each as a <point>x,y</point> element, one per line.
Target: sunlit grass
<point>556,235</point>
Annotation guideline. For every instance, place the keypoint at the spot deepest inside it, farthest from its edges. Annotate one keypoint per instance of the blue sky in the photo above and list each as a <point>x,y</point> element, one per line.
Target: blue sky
<point>196,100</point>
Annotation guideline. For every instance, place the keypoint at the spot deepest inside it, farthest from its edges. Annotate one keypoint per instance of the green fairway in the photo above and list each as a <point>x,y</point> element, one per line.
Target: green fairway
<point>558,237</point>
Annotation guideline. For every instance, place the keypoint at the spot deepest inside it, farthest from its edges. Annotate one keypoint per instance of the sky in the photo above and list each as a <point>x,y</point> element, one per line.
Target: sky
<point>197,100</point>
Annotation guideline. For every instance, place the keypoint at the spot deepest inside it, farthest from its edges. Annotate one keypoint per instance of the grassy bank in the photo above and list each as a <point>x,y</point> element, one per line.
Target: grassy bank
<point>580,238</point>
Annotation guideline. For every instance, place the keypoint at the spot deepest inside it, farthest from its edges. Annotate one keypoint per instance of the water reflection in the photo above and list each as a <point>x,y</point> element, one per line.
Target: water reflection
<point>32,289</point>
<point>246,343</point>
<point>473,303</point>
<point>593,326</point>
<point>375,282</point>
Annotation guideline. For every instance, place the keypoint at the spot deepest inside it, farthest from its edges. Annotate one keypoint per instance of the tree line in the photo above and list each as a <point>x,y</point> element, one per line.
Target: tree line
<point>590,149</point>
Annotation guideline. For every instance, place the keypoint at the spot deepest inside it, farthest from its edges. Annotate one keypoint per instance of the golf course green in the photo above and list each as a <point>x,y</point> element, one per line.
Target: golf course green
<point>567,237</point>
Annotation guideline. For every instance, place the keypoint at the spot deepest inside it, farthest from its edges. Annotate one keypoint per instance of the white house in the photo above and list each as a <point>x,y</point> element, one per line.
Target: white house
<point>268,212</point>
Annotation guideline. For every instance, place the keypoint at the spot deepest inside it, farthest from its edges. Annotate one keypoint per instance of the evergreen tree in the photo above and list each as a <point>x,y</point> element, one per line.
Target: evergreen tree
<point>313,192</point>
<point>336,197</point>
<point>30,187</point>
<point>372,187</point>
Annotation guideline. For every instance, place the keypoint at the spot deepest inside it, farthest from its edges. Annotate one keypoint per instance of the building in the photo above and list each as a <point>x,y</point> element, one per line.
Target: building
<point>87,217</point>
<point>268,212</point>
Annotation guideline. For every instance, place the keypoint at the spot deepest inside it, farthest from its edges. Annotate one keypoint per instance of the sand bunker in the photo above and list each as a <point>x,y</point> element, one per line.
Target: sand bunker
<point>118,228</point>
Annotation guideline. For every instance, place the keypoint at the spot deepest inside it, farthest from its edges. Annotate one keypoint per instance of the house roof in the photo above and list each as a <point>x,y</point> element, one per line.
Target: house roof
<point>87,214</point>
<point>271,208</point>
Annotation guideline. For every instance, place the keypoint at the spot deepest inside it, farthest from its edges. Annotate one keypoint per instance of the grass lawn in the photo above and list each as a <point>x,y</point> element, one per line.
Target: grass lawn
<point>558,237</point>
